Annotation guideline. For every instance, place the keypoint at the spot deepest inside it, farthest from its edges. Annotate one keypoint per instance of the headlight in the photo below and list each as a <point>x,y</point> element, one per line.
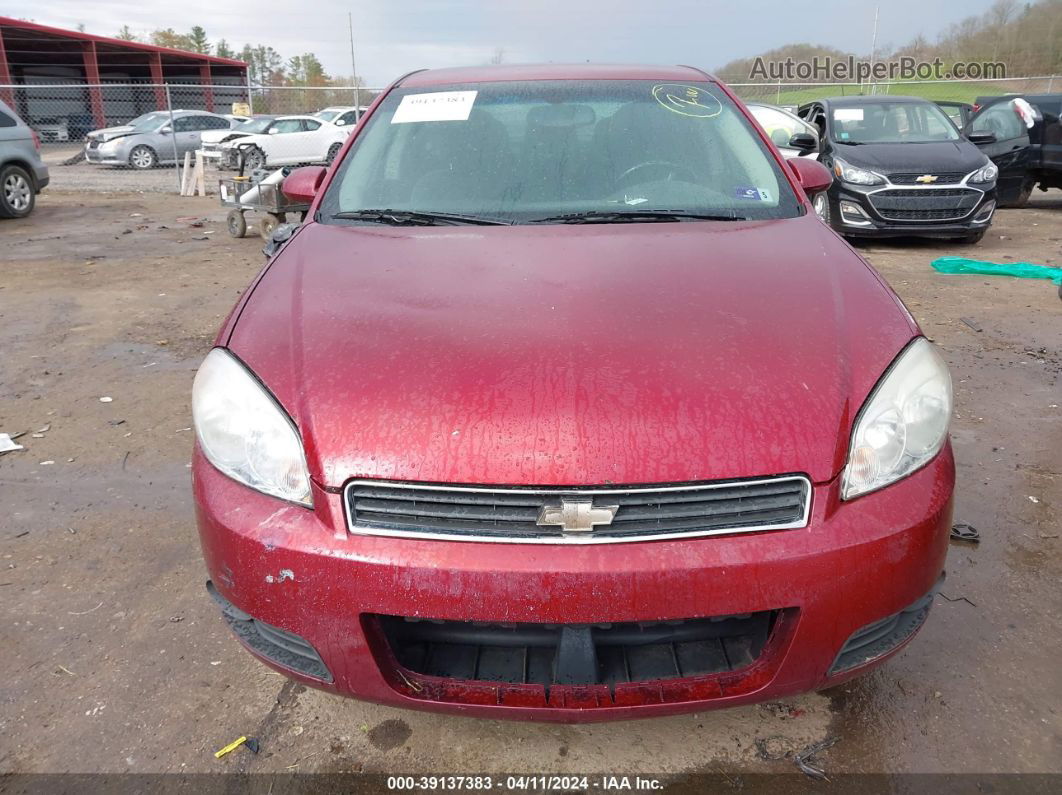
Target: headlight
<point>857,176</point>
<point>986,174</point>
<point>904,422</point>
<point>245,433</point>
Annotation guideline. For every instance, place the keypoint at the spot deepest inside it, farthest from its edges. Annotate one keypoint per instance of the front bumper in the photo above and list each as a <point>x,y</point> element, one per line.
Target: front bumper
<point>906,210</point>
<point>306,579</point>
<point>116,157</point>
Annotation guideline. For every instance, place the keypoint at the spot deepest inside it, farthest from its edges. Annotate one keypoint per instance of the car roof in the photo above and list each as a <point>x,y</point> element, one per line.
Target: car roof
<point>296,116</point>
<point>522,72</point>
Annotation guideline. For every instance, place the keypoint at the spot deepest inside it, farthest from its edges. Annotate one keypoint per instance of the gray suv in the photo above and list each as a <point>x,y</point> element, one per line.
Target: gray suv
<point>22,172</point>
<point>150,139</point>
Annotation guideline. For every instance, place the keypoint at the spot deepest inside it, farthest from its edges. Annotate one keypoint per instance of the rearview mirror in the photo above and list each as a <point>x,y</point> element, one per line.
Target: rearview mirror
<point>812,175</point>
<point>978,138</point>
<point>805,142</point>
<point>301,185</point>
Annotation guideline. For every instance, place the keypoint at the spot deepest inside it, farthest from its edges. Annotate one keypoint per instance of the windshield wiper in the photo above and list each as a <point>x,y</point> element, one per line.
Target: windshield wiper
<point>622,216</point>
<point>415,218</point>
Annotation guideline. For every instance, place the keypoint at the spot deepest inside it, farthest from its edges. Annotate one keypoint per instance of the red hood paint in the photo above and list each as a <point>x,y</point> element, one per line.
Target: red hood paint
<point>571,355</point>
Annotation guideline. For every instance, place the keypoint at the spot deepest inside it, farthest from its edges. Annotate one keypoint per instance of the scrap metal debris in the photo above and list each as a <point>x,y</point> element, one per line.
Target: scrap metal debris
<point>957,599</point>
<point>960,531</point>
<point>804,760</point>
<point>7,442</point>
<point>971,323</point>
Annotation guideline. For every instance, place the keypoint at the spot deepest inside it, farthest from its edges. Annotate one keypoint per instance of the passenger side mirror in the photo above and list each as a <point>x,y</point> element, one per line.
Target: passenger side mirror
<point>165,130</point>
<point>812,175</point>
<point>805,142</point>
<point>340,123</point>
<point>301,185</point>
<point>979,138</point>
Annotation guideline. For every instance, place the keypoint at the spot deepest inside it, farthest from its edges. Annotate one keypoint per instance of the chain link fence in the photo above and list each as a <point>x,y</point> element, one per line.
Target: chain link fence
<point>64,113</point>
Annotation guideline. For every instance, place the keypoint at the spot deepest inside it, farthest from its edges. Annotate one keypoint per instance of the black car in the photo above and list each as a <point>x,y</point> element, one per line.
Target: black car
<point>902,168</point>
<point>1026,142</point>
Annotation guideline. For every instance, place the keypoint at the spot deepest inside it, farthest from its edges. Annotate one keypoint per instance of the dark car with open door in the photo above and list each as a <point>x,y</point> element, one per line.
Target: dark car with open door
<point>1023,137</point>
<point>901,168</point>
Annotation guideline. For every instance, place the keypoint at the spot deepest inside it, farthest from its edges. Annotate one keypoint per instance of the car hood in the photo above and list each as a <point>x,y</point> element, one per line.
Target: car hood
<point>110,133</point>
<point>570,355</point>
<point>939,156</point>
<point>214,136</point>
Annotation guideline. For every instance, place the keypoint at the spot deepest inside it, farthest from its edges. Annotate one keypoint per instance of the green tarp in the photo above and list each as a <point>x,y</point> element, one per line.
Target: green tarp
<point>1023,270</point>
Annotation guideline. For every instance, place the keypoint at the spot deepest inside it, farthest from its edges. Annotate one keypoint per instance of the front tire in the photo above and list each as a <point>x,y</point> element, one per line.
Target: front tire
<point>17,196</point>
<point>143,157</point>
<point>236,223</point>
<point>254,159</point>
<point>821,203</point>
<point>333,151</point>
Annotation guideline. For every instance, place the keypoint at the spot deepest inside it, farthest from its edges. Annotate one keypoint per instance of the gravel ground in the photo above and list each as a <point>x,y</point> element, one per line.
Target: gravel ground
<point>96,178</point>
<point>115,660</point>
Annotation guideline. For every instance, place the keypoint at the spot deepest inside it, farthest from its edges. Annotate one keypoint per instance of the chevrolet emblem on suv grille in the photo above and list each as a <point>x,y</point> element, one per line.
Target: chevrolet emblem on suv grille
<point>925,179</point>
<point>575,515</point>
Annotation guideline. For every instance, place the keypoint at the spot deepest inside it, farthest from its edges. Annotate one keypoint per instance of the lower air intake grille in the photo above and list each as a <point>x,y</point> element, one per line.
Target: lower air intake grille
<point>594,515</point>
<point>568,654</point>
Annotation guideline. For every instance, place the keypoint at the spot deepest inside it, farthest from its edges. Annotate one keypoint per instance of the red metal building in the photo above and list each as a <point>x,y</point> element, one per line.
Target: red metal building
<point>38,55</point>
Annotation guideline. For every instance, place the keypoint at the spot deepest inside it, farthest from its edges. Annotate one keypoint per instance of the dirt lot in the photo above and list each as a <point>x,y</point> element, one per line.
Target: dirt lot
<point>114,659</point>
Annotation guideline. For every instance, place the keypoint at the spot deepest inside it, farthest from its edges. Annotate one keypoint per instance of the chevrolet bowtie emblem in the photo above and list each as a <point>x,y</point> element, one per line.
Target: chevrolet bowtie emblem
<point>926,178</point>
<point>576,515</point>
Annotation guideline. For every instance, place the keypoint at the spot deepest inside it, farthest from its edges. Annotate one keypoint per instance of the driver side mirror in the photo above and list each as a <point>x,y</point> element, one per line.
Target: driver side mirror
<point>812,175</point>
<point>979,138</point>
<point>804,142</point>
<point>302,184</point>
<point>340,123</point>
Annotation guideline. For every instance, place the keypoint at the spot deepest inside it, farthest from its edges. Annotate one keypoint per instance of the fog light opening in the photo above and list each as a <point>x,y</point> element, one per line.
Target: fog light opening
<point>853,214</point>
<point>984,215</point>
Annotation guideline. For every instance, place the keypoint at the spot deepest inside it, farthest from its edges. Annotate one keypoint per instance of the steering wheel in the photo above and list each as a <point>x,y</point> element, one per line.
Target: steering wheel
<point>666,166</point>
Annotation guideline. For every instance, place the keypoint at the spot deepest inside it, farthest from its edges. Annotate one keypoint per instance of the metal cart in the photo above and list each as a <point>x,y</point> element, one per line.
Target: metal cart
<point>244,196</point>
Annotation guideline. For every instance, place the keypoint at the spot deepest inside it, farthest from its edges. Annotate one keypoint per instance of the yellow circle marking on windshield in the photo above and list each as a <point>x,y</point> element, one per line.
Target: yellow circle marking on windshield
<point>687,100</point>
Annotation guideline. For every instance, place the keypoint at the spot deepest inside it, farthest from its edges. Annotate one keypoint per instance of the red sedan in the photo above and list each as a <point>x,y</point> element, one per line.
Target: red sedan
<point>563,404</point>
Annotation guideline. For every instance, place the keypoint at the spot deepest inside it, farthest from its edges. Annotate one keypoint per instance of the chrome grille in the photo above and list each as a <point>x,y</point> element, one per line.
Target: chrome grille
<point>950,178</point>
<point>644,513</point>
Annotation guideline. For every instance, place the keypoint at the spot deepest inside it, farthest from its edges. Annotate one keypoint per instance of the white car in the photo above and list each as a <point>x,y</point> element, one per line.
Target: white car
<point>287,141</point>
<point>210,141</point>
<point>781,126</point>
<point>347,115</point>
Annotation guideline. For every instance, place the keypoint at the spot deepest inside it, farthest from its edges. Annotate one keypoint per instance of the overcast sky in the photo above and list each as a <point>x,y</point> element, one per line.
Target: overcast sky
<point>395,36</point>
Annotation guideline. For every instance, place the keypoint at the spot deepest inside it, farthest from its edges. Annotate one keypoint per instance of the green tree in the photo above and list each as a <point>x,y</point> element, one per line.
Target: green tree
<point>197,38</point>
<point>223,50</point>
<point>125,34</point>
<point>170,38</point>
<point>306,70</point>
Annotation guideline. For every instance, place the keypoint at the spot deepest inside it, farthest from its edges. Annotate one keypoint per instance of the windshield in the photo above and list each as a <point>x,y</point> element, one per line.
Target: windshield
<point>891,123</point>
<point>149,121</point>
<point>326,115</point>
<point>254,125</point>
<point>522,152</point>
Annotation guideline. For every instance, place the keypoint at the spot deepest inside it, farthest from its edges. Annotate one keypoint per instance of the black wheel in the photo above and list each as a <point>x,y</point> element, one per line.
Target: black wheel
<point>1023,197</point>
<point>17,195</point>
<point>254,158</point>
<point>333,150</point>
<point>237,223</point>
<point>973,237</point>
<point>266,226</point>
<point>143,157</point>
